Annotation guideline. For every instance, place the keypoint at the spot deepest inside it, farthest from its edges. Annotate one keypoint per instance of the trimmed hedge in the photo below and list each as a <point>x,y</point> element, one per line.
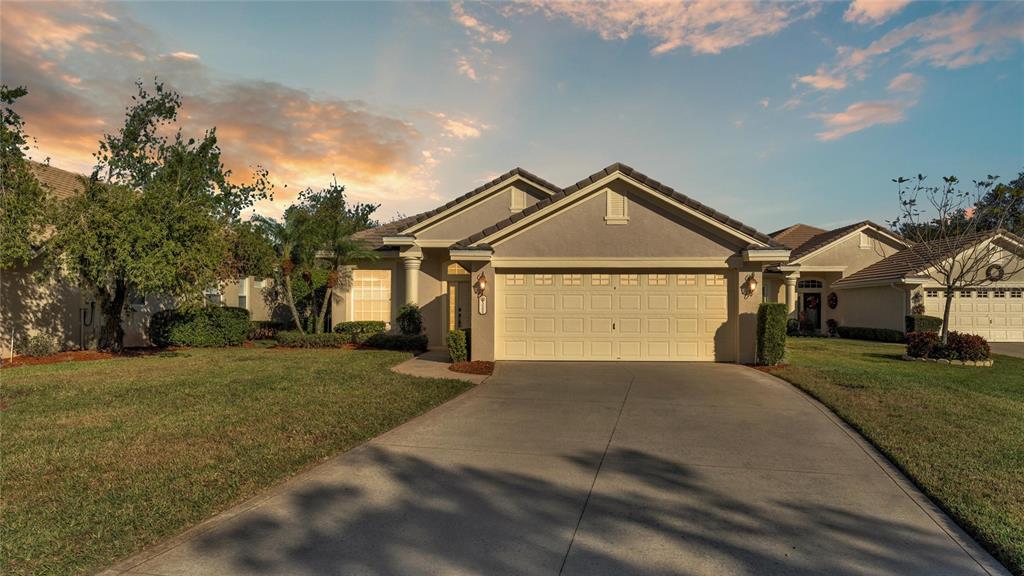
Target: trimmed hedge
<point>404,342</point>
<point>296,339</point>
<point>359,330</point>
<point>410,320</point>
<point>771,333</point>
<point>958,346</point>
<point>922,323</point>
<point>209,327</point>
<point>457,347</point>
<point>874,334</point>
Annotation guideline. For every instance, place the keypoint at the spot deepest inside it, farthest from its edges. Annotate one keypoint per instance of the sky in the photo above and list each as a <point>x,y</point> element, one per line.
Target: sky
<point>774,113</point>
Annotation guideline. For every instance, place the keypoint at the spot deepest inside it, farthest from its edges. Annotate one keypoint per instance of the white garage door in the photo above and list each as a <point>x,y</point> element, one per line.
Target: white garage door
<point>610,316</point>
<point>994,313</point>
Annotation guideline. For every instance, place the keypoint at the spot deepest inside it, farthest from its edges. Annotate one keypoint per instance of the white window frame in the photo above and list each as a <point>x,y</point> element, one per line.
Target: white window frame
<point>360,294</point>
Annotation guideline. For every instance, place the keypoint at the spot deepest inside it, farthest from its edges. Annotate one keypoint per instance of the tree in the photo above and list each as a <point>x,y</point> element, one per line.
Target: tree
<point>289,238</point>
<point>23,200</point>
<point>156,216</point>
<point>954,234</point>
<point>1002,207</point>
<point>333,221</point>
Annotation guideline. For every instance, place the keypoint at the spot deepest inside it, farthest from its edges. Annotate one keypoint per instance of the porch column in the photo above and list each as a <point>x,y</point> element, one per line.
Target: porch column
<point>412,276</point>
<point>791,292</point>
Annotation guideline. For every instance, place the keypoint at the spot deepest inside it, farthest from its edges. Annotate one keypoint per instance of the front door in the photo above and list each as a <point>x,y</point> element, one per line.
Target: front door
<point>458,305</point>
<point>811,305</point>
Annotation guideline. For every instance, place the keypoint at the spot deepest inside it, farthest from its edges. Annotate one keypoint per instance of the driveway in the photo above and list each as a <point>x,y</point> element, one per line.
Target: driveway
<point>592,469</point>
<point>1008,348</point>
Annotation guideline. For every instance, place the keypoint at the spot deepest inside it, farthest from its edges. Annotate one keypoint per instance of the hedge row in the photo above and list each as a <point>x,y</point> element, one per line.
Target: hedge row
<point>358,331</point>
<point>875,334</point>
<point>296,339</point>
<point>923,323</point>
<point>207,327</point>
<point>404,342</point>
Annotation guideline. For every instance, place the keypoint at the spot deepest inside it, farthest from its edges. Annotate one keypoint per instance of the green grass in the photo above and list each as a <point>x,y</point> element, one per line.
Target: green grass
<point>957,431</point>
<point>99,459</point>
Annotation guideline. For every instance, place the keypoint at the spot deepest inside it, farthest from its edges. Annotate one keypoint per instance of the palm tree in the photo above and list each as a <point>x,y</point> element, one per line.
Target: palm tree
<point>288,238</point>
<point>341,250</point>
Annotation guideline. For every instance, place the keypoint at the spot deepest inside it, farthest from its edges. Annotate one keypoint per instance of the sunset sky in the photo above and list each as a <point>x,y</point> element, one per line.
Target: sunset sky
<point>773,113</point>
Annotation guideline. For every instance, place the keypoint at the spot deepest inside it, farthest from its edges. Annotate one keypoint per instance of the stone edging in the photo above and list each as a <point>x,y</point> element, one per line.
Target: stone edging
<point>946,361</point>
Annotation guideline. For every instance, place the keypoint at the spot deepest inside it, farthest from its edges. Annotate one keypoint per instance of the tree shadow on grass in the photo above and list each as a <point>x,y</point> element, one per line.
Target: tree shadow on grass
<point>384,511</point>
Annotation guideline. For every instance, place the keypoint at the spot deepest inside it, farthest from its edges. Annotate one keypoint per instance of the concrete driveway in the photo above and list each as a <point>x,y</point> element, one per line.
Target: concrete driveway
<point>593,469</point>
<point>1008,348</point>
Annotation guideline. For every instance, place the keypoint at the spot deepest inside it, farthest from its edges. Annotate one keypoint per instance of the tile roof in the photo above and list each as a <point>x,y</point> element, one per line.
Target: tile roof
<point>915,259</point>
<point>795,235</point>
<point>61,183</point>
<point>638,176</point>
<point>830,236</point>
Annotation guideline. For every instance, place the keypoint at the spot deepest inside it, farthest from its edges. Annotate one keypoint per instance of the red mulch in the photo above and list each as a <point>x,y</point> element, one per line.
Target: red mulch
<point>79,356</point>
<point>475,367</point>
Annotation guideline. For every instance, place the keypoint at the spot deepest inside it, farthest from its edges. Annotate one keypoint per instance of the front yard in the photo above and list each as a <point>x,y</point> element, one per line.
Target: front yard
<point>99,459</point>
<point>958,432</point>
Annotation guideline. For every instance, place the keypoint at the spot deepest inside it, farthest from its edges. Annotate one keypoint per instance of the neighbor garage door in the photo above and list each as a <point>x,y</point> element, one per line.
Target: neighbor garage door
<point>610,316</point>
<point>994,313</point>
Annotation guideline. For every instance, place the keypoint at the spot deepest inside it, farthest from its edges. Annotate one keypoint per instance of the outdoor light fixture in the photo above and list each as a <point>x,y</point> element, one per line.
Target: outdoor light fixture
<point>749,286</point>
<point>480,287</point>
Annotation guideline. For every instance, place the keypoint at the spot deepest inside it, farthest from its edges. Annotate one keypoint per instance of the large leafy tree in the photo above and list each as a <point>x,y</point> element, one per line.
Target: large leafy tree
<point>1002,207</point>
<point>157,216</point>
<point>23,200</point>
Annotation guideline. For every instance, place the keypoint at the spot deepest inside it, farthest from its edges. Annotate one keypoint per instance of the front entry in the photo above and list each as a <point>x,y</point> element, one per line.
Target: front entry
<point>459,296</point>
<point>810,304</point>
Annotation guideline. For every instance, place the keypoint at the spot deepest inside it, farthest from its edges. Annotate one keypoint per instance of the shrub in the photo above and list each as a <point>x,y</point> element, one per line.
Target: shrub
<point>771,333</point>
<point>39,344</point>
<point>833,326</point>
<point>410,319</point>
<point>960,346</point>
<point>404,342</point>
<point>359,330</point>
<point>921,344</point>
<point>923,323</point>
<point>875,334</point>
<point>211,326</point>
<point>792,327</point>
<point>296,339</point>
<point>263,330</point>
<point>457,348</point>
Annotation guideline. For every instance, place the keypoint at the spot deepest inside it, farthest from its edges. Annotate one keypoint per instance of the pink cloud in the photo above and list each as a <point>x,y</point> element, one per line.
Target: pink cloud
<point>907,82</point>
<point>823,80</point>
<point>479,30</point>
<point>873,11</point>
<point>185,56</point>
<point>860,116</point>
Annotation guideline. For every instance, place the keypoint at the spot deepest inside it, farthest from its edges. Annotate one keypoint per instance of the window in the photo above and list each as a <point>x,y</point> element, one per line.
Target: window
<point>1016,292</point>
<point>243,293</point>
<point>515,279</point>
<point>982,293</point>
<point>931,293</point>
<point>965,293</point>
<point>657,279</point>
<point>808,284</point>
<point>714,280</point>
<point>212,296</point>
<point>617,210</point>
<point>371,295</point>
<point>518,200</point>
<point>629,279</point>
<point>999,293</point>
<point>456,269</point>
<point>686,280</point>
<point>543,280</point>
<point>599,279</point>
<point>572,279</point>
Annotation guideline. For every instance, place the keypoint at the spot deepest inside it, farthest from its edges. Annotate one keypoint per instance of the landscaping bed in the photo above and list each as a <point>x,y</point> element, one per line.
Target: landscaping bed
<point>103,458</point>
<point>474,367</point>
<point>956,431</point>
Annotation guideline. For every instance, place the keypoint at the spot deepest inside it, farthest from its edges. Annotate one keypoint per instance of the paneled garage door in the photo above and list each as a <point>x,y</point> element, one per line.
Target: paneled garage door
<point>610,316</point>
<point>994,313</point>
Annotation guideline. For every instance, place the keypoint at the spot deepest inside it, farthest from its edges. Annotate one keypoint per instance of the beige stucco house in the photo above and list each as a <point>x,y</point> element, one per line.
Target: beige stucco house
<point>615,267</point>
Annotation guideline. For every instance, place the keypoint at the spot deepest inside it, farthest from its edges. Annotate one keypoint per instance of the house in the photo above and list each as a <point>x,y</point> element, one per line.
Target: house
<point>615,267</point>
<point>820,258</point>
<point>881,294</point>
<point>31,304</point>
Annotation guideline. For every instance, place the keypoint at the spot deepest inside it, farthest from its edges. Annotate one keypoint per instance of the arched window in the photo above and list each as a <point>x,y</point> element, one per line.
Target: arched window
<point>808,284</point>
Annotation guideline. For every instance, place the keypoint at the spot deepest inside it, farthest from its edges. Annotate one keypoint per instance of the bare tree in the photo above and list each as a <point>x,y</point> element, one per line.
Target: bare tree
<point>959,241</point>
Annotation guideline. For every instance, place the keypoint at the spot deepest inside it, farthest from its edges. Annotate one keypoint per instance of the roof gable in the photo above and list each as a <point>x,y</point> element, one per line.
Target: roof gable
<point>825,240</point>
<point>795,235</point>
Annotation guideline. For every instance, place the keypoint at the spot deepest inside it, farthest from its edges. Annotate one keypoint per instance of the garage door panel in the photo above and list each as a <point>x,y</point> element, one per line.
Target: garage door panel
<point>611,316</point>
<point>997,317</point>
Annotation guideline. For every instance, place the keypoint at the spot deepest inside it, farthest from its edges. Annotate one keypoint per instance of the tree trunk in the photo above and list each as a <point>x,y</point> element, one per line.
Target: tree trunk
<point>111,336</point>
<point>291,301</point>
<point>945,315</point>
<point>328,298</point>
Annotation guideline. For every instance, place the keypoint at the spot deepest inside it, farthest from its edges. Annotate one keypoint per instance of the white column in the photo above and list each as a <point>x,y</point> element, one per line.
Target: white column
<point>791,292</point>
<point>412,276</point>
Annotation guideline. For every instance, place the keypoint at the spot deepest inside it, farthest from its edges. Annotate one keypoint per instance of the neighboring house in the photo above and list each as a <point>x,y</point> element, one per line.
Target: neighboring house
<point>880,295</point>
<point>615,267</point>
<point>31,305</point>
<point>818,260</point>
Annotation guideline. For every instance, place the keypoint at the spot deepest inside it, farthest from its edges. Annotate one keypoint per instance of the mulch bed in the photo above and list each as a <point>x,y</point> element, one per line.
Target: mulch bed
<point>79,356</point>
<point>476,367</point>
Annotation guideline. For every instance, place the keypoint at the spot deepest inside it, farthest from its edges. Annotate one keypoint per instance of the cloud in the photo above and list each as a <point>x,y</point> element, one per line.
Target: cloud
<point>822,80</point>
<point>873,11</point>
<point>465,68</point>
<point>906,82</point>
<point>80,72</point>
<point>477,29</point>
<point>765,102</point>
<point>860,116</point>
<point>703,26</point>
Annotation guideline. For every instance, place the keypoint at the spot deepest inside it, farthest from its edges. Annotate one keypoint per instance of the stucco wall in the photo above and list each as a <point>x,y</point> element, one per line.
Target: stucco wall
<point>480,215</point>
<point>654,230</point>
<point>849,253</point>
<point>874,307</point>
<point>256,301</point>
<point>483,326</point>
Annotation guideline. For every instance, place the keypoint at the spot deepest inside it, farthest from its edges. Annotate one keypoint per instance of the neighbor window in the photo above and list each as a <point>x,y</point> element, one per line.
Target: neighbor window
<point>213,296</point>
<point>371,295</point>
<point>686,279</point>
<point>657,279</point>
<point>515,279</point>
<point>572,279</point>
<point>714,280</point>
<point>629,279</point>
<point>599,279</point>
<point>243,293</point>
<point>542,279</point>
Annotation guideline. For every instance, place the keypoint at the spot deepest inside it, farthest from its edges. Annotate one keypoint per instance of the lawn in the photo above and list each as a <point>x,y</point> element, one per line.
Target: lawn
<point>957,431</point>
<point>99,459</point>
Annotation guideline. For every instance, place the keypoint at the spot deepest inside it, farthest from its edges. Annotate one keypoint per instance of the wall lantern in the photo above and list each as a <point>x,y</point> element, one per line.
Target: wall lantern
<point>480,287</point>
<point>749,286</point>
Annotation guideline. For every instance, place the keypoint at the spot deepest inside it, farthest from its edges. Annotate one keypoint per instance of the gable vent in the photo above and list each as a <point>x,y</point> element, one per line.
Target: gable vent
<point>617,209</point>
<point>518,202</point>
